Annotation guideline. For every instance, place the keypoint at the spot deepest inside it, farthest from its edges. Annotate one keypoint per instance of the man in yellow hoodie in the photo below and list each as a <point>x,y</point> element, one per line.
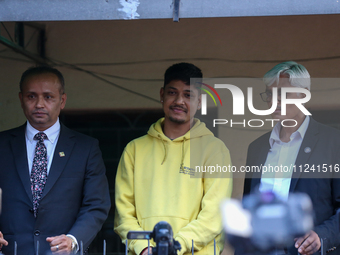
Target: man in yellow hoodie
<point>156,175</point>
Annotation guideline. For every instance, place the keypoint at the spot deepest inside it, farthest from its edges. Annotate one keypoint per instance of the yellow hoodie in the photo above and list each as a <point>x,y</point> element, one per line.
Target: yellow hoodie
<point>156,182</point>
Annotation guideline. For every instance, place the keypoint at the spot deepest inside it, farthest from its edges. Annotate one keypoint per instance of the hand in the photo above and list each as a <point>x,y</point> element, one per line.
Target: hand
<point>145,251</point>
<point>2,240</point>
<point>308,244</point>
<point>60,244</point>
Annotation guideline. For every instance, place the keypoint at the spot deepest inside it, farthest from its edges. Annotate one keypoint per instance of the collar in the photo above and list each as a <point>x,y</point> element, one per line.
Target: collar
<point>275,134</point>
<point>52,132</point>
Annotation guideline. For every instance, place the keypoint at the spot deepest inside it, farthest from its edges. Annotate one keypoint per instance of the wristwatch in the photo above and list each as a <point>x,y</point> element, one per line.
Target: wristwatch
<point>74,246</point>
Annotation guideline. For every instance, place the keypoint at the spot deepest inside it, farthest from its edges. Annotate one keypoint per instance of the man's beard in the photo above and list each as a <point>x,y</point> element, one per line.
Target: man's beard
<point>176,120</point>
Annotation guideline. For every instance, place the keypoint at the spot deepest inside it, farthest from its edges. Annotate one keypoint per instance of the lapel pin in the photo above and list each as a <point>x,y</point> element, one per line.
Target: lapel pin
<point>308,150</point>
<point>61,154</point>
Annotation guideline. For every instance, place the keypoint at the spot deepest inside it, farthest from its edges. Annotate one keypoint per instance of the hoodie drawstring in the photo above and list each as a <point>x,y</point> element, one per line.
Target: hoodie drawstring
<point>182,160</point>
<point>165,151</point>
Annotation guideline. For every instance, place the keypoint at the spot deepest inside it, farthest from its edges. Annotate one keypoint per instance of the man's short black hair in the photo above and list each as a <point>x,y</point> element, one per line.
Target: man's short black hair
<point>182,72</point>
<point>36,70</point>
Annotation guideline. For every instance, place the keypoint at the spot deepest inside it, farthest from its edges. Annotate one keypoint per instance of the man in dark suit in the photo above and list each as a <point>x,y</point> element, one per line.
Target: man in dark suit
<point>313,148</point>
<point>55,192</point>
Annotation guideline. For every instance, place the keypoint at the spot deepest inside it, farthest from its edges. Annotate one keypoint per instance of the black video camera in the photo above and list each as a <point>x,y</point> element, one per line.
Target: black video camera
<point>263,223</point>
<point>163,237</point>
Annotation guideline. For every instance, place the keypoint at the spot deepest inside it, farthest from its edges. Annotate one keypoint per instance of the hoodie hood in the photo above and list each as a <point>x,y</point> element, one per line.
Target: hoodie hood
<point>198,130</point>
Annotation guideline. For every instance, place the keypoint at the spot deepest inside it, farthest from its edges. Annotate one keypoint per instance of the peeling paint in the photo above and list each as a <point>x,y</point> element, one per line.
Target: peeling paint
<point>129,10</point>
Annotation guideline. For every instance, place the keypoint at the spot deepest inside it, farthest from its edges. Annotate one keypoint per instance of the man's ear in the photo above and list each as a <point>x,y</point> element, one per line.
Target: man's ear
<point>161,95</point>
<point>199,101</point>
<point>63,101</point>
<point>302,95</point>
<point>21,99</point>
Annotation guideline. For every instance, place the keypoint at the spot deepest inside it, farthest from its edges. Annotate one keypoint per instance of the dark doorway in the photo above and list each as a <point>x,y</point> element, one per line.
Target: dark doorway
<point>113,129</point>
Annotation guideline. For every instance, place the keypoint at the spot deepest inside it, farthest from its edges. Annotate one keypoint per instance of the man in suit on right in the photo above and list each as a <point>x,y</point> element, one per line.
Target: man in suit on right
<point>307,144</point>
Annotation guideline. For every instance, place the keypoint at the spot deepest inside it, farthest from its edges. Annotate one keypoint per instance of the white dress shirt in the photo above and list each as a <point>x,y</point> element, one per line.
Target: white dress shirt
<point>282,155</point>
<point>52,135</point>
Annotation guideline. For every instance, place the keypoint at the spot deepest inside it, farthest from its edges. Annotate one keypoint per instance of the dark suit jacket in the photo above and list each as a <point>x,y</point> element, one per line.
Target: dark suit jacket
<point>75,199</point>
<point>324,144</point>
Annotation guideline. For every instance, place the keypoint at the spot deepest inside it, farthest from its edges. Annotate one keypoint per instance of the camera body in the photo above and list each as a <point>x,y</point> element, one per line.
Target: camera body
<point>163,237</point>
<point>264,223</point>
